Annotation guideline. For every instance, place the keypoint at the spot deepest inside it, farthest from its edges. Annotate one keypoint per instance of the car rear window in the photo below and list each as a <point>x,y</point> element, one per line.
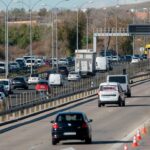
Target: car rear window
<point>69,118</point>
<point>119,79</point>
<point>109,88</point>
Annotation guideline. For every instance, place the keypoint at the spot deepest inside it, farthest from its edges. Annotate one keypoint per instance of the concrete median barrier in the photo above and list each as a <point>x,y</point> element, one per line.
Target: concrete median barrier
<point>26,112</point>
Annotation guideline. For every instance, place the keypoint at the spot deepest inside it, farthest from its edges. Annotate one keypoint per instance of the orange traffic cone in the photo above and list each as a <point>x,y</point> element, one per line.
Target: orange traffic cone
<point>125,147</point>
<point>138,135</point>
<point>134,144</point>
<point>144,130</point>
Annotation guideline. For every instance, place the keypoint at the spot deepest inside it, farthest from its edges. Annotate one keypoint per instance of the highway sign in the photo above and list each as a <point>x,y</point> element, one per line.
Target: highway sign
<point>139,29</point>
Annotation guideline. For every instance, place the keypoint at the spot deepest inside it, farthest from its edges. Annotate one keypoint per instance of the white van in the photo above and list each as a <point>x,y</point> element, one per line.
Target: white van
<point>102,63</point>
<point>123,80</point>
<point>55,79</point>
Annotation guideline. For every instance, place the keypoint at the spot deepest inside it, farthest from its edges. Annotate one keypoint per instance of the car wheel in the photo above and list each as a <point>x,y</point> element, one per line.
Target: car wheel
<point>120,102</point>
<point>123,103</point>
<point>99,104</point>
<point>88,140</point>
<point>54,141</point>
<point>129,94</point>
<point>26,88</point>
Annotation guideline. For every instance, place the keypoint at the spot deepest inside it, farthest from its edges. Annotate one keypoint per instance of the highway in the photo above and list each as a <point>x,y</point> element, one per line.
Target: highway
<point>110,124</point>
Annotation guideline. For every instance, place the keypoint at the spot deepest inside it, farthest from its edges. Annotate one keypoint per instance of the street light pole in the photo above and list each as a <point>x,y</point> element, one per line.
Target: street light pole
<point>87,32</point>
<point>6,37</point>
<point>77,42</point>
<point>105,24</point>
<point>30,34</point>
<point>117,6</point>
<point>57,32</point>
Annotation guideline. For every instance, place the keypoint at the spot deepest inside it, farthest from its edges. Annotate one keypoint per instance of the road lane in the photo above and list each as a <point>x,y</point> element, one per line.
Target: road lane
<point>110,125</point>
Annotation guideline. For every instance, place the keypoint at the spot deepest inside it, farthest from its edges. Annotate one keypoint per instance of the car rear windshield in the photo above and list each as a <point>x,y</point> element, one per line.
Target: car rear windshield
<point>108,88</point>
<point>119,79</point>
<point>69,118</point>
<point>4,82</point>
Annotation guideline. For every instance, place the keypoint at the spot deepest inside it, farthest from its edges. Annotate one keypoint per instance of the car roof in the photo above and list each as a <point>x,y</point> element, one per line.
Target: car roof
<point>72,112</point>
<point>109,83</point>
<point>118,75</point>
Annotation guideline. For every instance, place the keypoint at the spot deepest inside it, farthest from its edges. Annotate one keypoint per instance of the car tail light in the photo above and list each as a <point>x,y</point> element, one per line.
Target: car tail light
<point>84,125</point>
<point>55,126</point>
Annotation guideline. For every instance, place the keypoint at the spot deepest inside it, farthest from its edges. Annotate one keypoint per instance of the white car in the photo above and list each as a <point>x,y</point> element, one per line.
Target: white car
<point>33,79</point>
<point>31,62</point>
<point>63,61</point>
<point>74,76</point>
<point>135,60</point>
<point>7,85</point>
<point>111,93</point>
<point>40,62</point>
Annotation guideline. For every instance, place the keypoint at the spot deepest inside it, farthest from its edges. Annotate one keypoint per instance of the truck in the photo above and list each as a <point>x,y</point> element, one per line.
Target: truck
<point>85,60</point>
<point>102,63</point>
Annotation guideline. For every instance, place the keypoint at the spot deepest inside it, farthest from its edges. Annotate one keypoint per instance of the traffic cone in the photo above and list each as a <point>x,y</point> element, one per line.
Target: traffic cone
<point>138,135</point>
<point>125,147</point>
<point>144,130</point>
<point>134,144</point>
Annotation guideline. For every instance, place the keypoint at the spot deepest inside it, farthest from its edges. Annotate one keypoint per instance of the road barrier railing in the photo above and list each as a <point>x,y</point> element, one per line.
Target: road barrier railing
<point>31,103</point>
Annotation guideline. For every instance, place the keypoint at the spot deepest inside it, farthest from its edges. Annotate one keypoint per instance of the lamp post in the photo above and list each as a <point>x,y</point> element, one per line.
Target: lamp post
<point>117,6</point>
<point>57,32</point>
<point>105,24</point>
<point>6,36</point>
<point>30,30</point>
<point>77,29</point>
<point>133,11</point>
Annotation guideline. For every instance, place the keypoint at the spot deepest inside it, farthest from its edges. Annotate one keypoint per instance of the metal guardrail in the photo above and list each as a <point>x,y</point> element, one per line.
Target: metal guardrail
<point>42,104</point>
<point>29,99</point>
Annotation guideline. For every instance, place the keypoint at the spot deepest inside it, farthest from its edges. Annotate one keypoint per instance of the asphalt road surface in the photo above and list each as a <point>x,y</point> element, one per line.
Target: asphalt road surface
<point>110,125</point>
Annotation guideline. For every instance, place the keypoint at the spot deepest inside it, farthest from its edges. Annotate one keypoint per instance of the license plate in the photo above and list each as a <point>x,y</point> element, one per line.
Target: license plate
<point>70,133</point>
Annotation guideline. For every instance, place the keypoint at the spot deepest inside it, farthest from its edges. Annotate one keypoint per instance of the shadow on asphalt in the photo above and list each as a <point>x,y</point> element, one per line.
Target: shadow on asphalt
<point>98,142</point>
<point>141,96</point>
<point>11,127</point>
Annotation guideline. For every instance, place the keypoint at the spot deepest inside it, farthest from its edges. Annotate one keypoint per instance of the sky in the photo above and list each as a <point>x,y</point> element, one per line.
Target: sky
<point>68,4</point>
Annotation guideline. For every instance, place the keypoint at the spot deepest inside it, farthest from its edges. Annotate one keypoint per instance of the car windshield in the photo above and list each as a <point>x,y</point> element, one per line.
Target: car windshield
<point>34,75</point>
<point>2,65</point>
<point>29,61</point>
<point>42,82</point>
<point>18,79</point>
<point>119,79</point>
<point>69,118</point>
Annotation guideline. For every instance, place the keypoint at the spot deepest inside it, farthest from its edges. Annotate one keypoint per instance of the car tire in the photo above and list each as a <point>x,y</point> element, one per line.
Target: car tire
<point>120,102</point>
<point>88,140</point>
<point>26,88</point>
<point>123,103</point>
<point>129,94</point>
<point>99,104</point>
<point>54,141</point>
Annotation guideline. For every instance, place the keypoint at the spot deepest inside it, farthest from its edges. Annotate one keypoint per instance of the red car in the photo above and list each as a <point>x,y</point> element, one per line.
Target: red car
<point>42,85</point>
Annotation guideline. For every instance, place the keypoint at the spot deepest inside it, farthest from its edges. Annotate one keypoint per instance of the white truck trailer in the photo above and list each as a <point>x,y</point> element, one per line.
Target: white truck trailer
<point>85,62</point>
<point>102,63</point>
